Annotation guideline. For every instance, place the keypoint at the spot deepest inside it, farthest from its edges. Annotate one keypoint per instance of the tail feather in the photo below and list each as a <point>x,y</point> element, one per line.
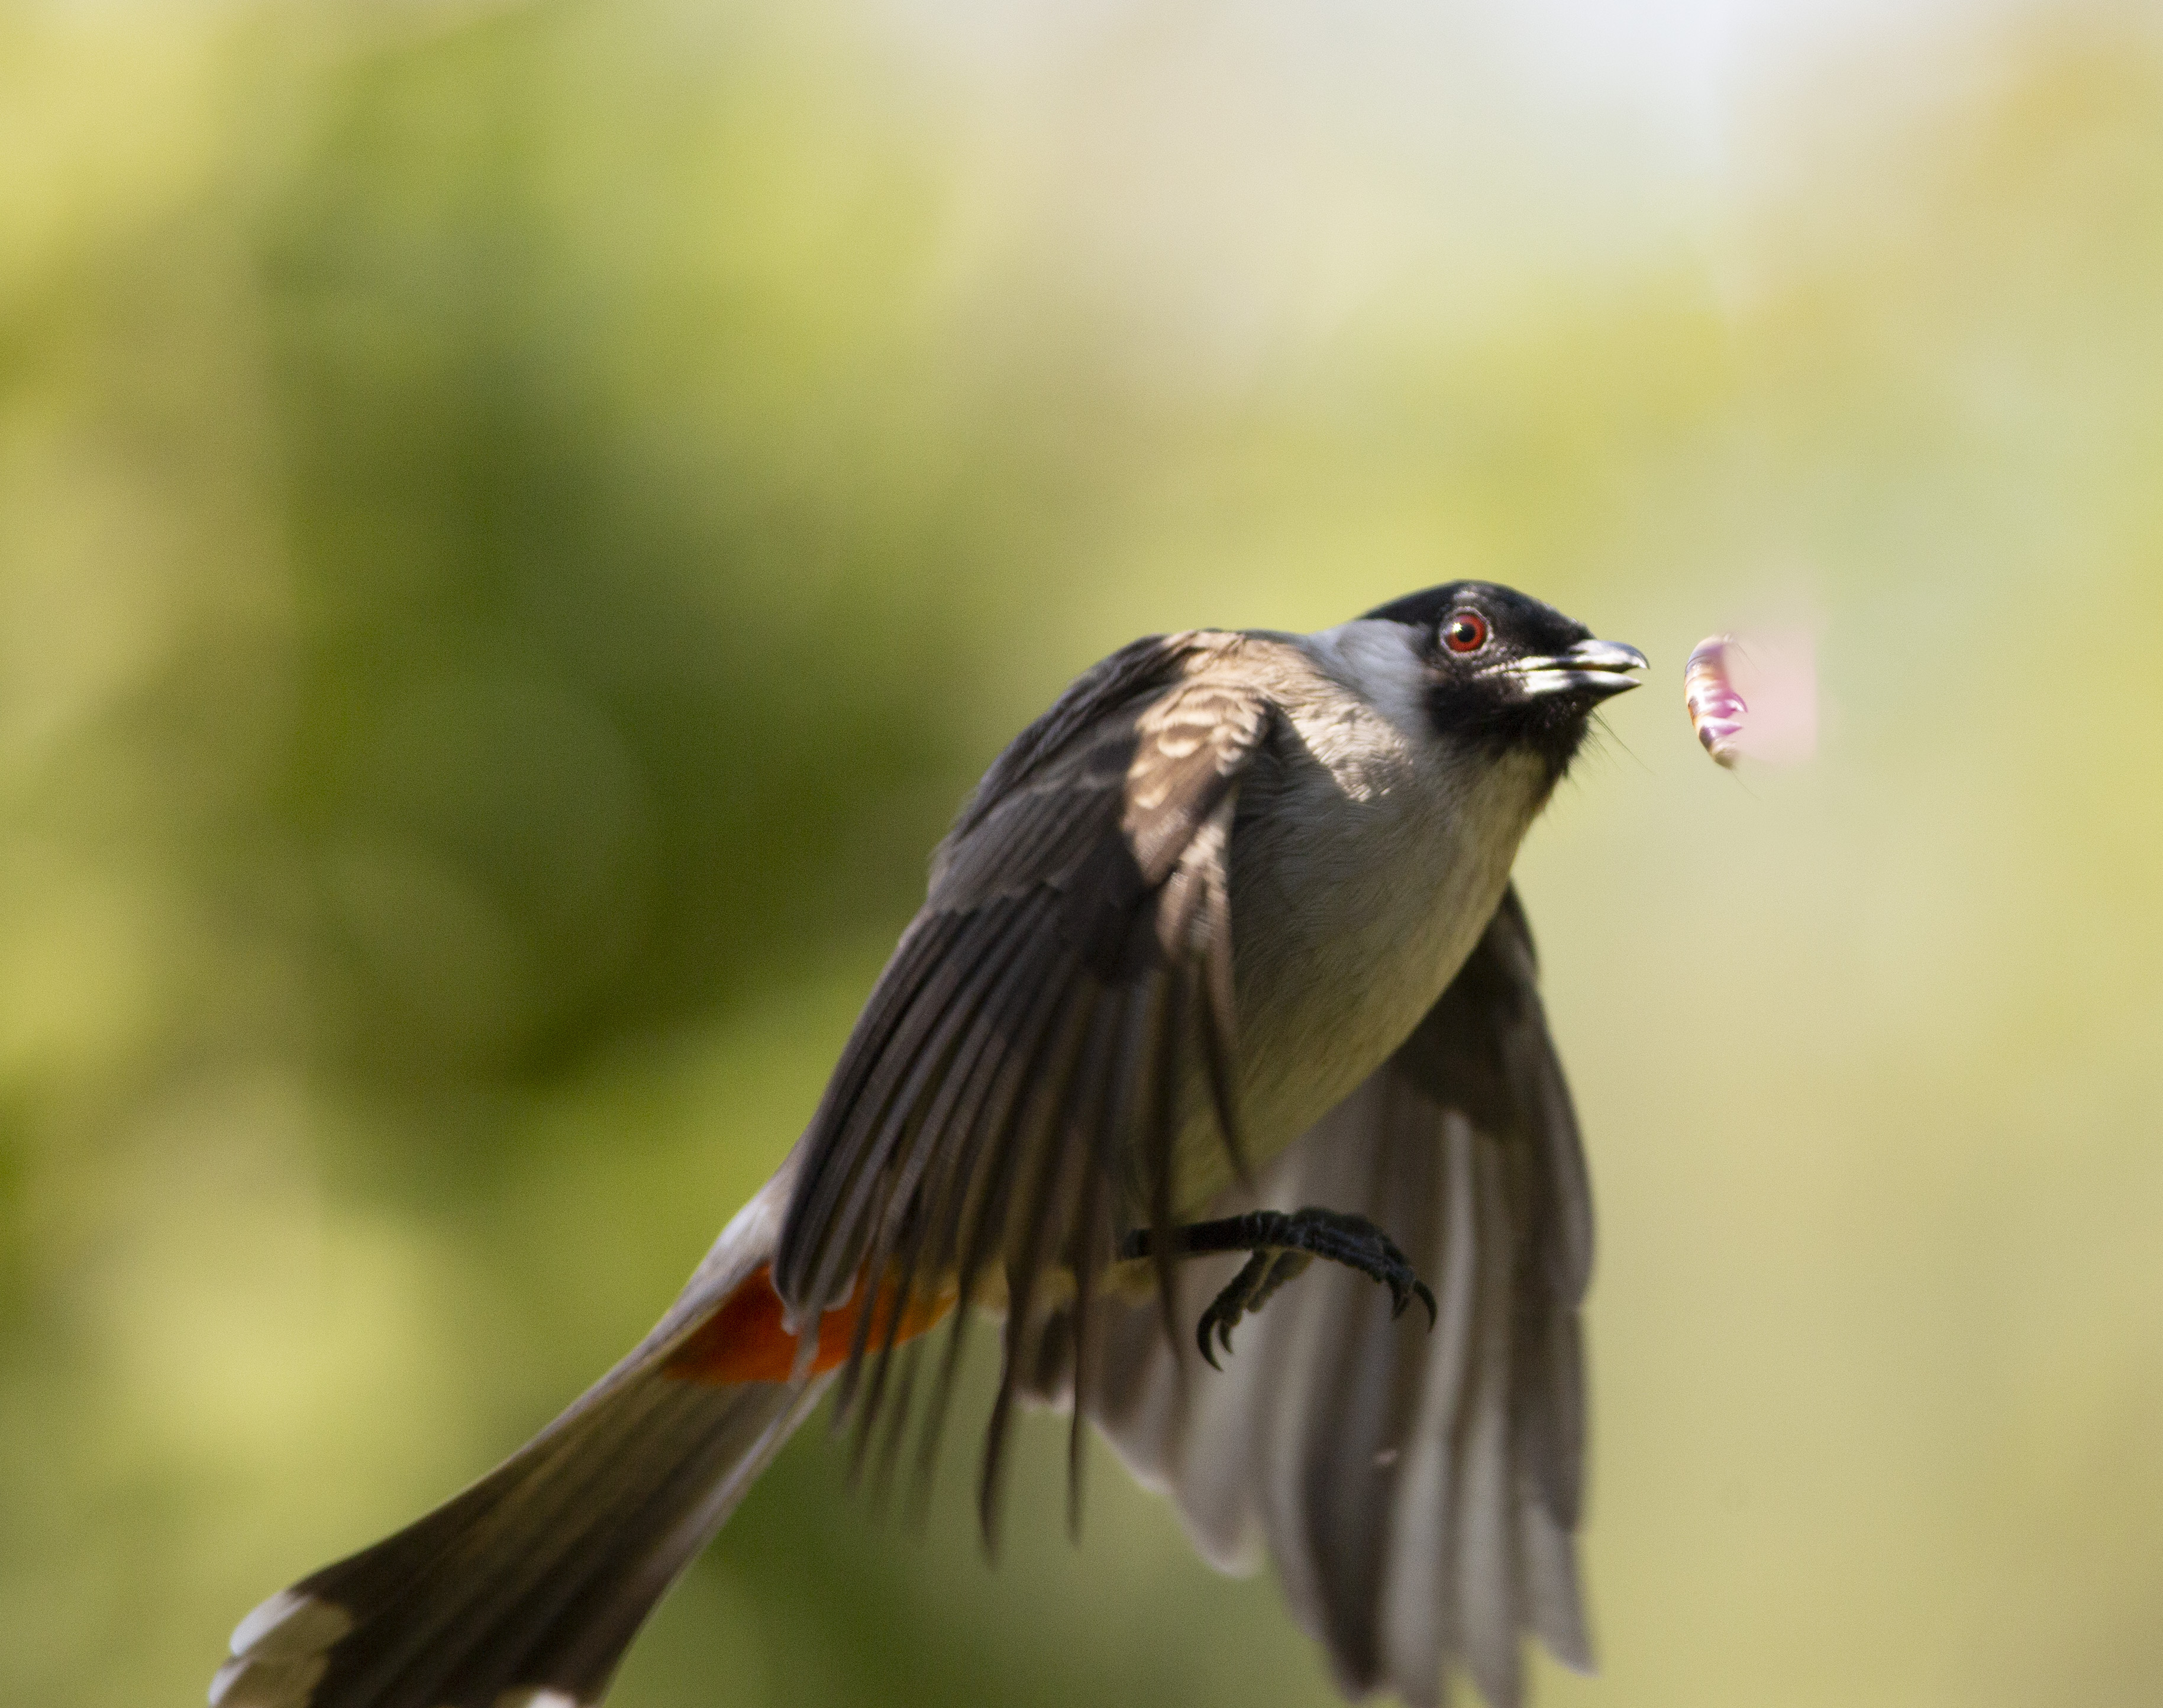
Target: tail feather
<point>527,1587</point>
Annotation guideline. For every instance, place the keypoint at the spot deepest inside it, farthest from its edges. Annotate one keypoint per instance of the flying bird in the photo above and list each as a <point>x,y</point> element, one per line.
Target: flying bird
<point>1220,1010</point>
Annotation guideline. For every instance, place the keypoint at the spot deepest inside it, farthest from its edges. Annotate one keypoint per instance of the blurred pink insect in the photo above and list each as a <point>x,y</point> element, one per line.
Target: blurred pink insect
<point>1716,710</point>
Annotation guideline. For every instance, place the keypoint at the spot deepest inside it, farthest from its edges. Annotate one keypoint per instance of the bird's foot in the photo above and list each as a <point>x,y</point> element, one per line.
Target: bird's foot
<point>1283,1243</point>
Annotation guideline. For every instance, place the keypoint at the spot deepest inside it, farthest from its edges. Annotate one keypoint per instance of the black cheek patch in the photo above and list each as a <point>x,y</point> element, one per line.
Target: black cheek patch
<point>1495,719</point>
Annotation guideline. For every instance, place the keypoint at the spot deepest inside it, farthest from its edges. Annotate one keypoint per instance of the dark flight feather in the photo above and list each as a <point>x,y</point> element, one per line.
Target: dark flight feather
<point>1417,1491</point>
<point>1069,978</point>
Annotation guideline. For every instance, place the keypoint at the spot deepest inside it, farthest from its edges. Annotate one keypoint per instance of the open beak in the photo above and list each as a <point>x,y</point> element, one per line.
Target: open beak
<point>1594,668</point>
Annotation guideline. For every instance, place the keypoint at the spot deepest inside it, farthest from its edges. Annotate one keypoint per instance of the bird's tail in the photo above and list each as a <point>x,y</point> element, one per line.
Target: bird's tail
<point>524,1590</point>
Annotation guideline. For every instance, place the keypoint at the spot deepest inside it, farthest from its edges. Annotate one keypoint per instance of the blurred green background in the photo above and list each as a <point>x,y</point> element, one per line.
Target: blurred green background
<point>518,524</point>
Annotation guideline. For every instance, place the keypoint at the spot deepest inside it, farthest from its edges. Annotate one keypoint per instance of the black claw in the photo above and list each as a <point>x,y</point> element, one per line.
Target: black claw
<point>1281,1245</point>
<point>1258,1277</point>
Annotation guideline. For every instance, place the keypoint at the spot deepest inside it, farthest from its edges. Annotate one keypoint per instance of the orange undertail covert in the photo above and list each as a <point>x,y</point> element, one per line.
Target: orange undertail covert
<point>745,1340</point>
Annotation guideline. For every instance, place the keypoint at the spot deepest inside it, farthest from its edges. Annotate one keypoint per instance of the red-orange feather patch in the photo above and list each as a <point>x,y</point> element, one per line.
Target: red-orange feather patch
<point>745,1341</point>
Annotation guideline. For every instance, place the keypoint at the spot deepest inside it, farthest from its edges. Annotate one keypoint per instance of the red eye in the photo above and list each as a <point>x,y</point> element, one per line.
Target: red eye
<point>1466,632</point>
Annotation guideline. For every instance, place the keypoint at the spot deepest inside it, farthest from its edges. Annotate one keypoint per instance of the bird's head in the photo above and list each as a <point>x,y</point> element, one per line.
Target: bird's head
<point>1503,672</point>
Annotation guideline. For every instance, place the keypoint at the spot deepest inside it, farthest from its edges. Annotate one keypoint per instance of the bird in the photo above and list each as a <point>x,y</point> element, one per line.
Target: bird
<point>1215,1046</point>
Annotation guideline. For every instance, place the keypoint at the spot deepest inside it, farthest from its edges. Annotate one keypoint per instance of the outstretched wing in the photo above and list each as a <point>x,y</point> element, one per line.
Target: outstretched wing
<point>1418,1491</point>
<point>1070,972</point>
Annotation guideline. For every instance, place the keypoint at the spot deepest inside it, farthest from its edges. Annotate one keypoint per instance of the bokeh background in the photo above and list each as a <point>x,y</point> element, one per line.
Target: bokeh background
<point>518,523</point>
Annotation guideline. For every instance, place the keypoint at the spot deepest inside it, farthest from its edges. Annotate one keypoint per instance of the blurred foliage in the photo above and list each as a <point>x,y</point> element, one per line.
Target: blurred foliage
<point>518,524</point>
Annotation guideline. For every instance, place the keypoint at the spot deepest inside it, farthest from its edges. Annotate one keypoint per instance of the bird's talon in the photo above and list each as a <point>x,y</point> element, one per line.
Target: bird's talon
<point>1280,1245</point>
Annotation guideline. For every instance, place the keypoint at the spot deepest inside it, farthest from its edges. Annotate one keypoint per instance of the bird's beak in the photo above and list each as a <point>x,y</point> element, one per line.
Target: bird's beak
<point>1594,668</point>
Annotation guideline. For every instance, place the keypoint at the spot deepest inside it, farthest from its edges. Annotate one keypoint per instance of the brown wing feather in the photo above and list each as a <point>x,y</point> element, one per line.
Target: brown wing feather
<point>1043,1022</point>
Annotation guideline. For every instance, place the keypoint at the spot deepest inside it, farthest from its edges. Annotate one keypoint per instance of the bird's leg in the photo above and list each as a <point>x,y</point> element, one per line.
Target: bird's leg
<point>1283,1243</point>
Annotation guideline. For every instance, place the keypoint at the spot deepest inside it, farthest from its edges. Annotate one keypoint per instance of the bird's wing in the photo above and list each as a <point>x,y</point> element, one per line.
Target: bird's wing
<point>1069,972</point>
<point>1418,1491</point>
